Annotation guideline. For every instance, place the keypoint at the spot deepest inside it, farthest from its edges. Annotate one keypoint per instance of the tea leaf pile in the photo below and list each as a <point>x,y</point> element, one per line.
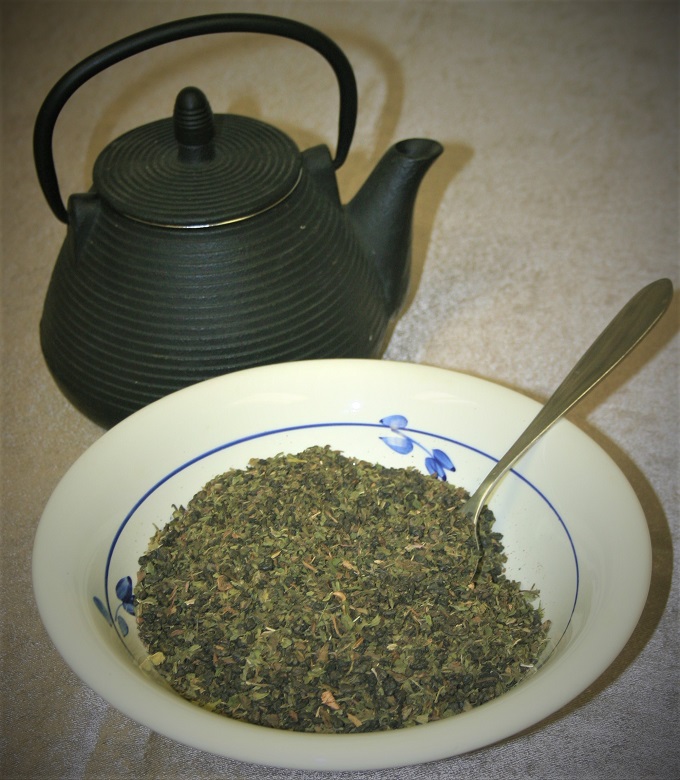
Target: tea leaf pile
<point>320,593</point>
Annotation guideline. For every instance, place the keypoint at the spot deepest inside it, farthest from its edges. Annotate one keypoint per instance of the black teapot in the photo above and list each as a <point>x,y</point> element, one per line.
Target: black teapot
<point>209,243</point>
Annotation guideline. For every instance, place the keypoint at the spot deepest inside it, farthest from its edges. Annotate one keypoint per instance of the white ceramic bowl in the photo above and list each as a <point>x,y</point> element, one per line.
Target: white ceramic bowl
<point>572,527</point>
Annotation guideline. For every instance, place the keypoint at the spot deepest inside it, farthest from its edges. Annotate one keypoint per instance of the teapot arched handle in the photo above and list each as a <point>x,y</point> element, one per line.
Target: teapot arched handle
<point>174,31</point>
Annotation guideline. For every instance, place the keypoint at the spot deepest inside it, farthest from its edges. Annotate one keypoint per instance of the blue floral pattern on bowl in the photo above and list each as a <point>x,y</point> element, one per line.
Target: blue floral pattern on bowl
<point>127,604</point>
<point>437,462</point>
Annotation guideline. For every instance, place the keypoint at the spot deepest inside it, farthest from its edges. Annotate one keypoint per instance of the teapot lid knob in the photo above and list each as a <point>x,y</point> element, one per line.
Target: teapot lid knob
<point>197,169</point>
<point>194,125</point>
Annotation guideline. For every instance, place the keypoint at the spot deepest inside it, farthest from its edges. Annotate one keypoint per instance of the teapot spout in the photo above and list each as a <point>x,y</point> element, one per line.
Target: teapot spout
<point>382,212</point>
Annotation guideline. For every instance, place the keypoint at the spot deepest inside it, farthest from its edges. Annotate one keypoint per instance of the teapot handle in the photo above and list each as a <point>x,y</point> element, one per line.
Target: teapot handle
<point>174,31</point>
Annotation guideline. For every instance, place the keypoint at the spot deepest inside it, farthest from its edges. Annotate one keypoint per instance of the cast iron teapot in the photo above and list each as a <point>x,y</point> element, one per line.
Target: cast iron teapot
<point>209,243</point>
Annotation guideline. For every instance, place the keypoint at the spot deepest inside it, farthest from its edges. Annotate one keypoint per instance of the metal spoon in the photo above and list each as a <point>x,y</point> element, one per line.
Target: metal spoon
<point>622,334</point>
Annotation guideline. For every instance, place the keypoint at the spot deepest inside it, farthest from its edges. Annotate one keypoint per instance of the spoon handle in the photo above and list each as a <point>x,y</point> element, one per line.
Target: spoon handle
<point>622,334</point>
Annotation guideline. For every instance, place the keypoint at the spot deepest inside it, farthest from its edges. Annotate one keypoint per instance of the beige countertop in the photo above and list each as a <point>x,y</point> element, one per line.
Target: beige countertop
<point>555,200</point>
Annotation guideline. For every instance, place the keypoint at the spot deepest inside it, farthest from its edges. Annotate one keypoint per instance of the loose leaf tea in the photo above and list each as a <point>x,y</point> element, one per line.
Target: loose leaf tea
<point>321,593</point>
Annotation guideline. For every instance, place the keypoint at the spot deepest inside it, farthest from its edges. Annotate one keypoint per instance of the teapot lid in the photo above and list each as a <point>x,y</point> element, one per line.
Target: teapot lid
<point>197,169</point>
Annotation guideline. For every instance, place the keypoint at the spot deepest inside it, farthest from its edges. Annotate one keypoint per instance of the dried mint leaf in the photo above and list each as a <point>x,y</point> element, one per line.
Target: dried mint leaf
<point>320,593</point>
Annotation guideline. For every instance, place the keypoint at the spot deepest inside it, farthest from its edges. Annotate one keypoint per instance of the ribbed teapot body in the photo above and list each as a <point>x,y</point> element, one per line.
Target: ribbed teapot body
<point>135,311</point>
